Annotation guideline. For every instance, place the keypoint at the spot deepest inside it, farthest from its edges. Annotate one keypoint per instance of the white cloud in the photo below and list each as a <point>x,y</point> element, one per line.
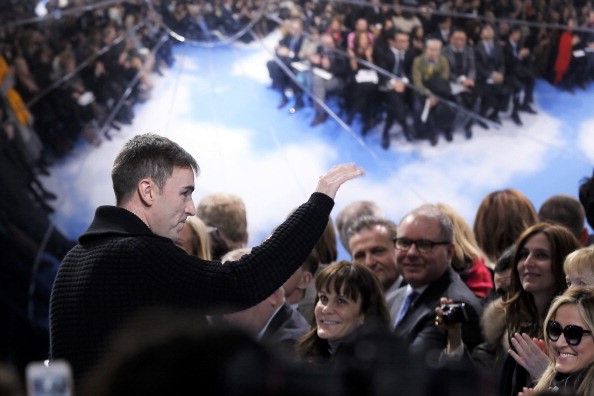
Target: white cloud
<point>586,140</point>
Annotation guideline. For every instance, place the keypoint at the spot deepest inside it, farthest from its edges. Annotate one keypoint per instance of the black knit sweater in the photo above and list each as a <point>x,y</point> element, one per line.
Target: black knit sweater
<point>120,267</point>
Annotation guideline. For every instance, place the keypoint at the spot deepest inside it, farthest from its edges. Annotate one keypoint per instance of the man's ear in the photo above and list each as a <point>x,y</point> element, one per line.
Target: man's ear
<point>146,191</point>
<point>305,280</point>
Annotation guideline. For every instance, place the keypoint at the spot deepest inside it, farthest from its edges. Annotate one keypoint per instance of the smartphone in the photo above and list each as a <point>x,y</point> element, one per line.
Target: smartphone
<point>49,378</point>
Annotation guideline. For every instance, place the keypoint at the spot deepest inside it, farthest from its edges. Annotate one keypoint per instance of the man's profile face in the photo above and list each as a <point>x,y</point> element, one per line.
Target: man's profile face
<point>173,204</point>
<point>374,248</point>
<point>420,269</point>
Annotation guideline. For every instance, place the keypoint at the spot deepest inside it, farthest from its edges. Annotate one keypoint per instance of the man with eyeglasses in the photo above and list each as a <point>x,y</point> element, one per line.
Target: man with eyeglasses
<point>424,251</point>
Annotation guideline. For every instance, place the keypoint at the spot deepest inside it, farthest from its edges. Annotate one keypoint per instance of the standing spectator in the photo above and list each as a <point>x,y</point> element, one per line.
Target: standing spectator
<point>567,211</point>
<point>500,219</point>
<point>536,279</point>
<point>371,243</point>
<point>469,261</point>
<point>425,246</point>
<point>272,320</point>
<point>349,301</point>
<point>568,332</point>
<point>226,216</point>
<point>350,213</point>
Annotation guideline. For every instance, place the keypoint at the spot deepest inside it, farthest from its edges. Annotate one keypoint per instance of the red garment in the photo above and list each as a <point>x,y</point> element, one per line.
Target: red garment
<point>563,56</point>
<point>478,278</point>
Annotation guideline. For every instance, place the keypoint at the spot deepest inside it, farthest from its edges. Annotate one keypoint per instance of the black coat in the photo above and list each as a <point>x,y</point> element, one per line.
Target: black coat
<point>417,328</point>
<point>121,267</point>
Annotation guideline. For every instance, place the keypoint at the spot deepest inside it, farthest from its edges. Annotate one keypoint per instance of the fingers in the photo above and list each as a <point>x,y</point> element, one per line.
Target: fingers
<point>331,181</point>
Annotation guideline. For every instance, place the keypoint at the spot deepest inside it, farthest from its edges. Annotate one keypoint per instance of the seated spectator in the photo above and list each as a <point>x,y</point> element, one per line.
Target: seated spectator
<point>271,321</point>
<point>329,73</point>
<point>287,52</point>
<point>349,300</point>
<point>567,211</point>
<point>430,75</point>
<point>518,70</point>
<point>586,197</point>
<point>405,21</point>
<point>570,60</point>
<point>362,90</point>
<point>491,84</point>
<point>337,30</point>
<point>460,57</point>
<point>361,27</point>
<point>396,59</point>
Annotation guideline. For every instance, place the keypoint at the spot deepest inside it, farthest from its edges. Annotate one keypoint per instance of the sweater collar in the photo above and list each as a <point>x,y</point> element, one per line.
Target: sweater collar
<point>113,220</point>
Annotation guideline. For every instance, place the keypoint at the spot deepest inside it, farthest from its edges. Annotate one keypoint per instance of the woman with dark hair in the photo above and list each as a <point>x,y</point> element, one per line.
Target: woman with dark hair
<point>362,90</point>
<point>536,279</point>
<point>349,300</point>
<point>500,219</point>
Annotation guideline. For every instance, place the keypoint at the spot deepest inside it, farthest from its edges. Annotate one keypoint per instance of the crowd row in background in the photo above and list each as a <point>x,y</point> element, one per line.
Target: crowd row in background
<point>466,63</point>
<point>62,80</point>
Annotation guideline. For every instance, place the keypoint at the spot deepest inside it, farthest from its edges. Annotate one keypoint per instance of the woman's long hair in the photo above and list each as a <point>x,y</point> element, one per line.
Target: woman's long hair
<point>583,299</point>
<point>521,312</point>
<point>357,282</point>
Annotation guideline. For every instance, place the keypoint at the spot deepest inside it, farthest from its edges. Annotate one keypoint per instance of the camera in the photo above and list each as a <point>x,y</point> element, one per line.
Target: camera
<point>454,313</point>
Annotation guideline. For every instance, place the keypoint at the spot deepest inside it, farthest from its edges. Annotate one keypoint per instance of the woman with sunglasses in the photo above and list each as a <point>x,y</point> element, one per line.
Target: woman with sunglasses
<point>568,337</point>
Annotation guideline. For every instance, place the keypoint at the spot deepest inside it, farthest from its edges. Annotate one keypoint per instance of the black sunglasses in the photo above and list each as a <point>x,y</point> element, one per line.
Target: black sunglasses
<point>573,334</point>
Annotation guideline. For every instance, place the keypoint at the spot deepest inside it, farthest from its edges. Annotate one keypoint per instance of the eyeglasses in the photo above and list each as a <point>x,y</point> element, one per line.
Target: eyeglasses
<point>573,334</point>
<point>423,245</point>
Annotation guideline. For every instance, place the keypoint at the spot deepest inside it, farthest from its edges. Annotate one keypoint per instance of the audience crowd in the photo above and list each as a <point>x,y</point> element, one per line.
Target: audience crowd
<point>431,66</point>
<point>426,296</point>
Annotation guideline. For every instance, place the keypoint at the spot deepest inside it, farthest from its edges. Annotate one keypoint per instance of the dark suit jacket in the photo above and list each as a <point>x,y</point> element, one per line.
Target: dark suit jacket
<point>486,65</point>
<point>285,328</point>
<point>286,42</point>
<point>468,62</point>
<point>417,328</point>
<point>386,60</point>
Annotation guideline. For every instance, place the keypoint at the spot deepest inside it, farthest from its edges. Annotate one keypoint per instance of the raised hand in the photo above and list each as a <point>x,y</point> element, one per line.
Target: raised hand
<point>331,181</point>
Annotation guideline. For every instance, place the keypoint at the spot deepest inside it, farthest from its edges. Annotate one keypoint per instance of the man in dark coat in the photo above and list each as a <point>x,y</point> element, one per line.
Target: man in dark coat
<point>127,260</point>
<point>425,250</point>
